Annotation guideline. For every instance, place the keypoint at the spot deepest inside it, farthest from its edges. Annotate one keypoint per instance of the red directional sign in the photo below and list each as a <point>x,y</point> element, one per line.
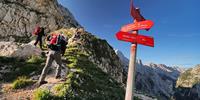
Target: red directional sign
<point>125,36</point>
<point>143,25</point>
<point>134,38</point>
<point>145,40</point>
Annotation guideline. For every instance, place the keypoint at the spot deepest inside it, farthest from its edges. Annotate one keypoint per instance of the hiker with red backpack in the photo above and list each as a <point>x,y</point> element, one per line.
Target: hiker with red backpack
<point>39,32</point>
<point>55,43</point>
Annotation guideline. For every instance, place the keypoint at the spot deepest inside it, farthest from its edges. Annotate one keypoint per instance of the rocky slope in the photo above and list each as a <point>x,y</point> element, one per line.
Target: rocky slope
<point>18,50</point>
<point>94,74</point>
<point>18,18</point>
<point>188,85</point>
<point>95,69</point>
<point>156,80</point>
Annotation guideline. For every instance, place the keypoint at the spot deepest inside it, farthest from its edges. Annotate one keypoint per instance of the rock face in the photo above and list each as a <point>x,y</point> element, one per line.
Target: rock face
<point>123,60</point>
<point>4,69</point>
<point>18,18</point>
<point>156,80</point>
<point>188,85</point>
<point>189,78</point>
<point>13,49</point>
<point>183,93</point>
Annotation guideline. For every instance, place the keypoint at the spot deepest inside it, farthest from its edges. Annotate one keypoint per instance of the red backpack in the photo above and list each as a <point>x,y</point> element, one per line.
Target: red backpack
<point>36,30</point>
<point>54,39</point>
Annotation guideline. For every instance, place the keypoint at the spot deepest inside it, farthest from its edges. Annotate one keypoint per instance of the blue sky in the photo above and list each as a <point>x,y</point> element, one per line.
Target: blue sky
<point>176,29</point>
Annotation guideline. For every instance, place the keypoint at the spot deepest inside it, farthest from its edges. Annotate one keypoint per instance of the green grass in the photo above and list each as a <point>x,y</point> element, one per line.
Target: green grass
<point>22,82</point>
<point>21,67</point>
<point>42,94</point>
<point>35,59</point>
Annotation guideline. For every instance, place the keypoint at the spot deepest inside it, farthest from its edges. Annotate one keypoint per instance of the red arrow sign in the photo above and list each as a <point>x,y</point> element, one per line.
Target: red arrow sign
<point>125,36</point>
<point>133,38</point>
<point>143,25</point>
<point>145,40</point>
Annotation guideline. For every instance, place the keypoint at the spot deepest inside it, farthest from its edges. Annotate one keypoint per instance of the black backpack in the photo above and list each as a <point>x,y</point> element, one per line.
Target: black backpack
<point>63,44</point>
<point>60,45</point>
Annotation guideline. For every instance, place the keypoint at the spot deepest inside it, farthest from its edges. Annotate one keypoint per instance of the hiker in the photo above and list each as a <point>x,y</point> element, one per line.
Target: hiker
<point>79,31</point>
<point>54,44</point>
<point>39,32</point>
<point>77,35</point>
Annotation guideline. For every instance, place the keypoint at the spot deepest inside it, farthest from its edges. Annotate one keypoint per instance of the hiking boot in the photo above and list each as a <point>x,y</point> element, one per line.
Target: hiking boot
<point>38,84</point>
<point>58,77</point>
<point>63,79</point>
<point>43,82</point>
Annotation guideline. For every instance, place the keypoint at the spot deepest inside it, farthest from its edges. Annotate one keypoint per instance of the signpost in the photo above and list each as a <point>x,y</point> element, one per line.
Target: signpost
<point>129,33</point>
<point>147,24</point>
<point>135,38</point>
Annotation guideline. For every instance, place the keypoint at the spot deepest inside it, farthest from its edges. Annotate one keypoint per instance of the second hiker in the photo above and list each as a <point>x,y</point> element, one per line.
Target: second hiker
<point>39,32</point>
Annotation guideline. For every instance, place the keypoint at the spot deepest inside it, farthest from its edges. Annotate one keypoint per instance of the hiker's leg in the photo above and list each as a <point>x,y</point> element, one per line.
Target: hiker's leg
<point>37,40</point>
<point>40,43</point>
<point>47,65</point>
<point>59,62</point>
<point>63,50</point>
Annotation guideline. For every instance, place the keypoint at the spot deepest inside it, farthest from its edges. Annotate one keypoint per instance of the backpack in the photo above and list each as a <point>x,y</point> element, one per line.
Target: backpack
<point>54,39</point>
<point>36,30</point>
<point>57,42</point>
<point>63,41</point>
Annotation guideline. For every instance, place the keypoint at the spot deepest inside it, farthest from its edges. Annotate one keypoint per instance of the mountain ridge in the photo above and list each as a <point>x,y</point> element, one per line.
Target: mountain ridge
<point>157,80</point>
<point>188,85</point>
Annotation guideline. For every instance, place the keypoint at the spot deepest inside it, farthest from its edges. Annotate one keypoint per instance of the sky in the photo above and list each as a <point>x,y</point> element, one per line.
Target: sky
<point>175,31</point>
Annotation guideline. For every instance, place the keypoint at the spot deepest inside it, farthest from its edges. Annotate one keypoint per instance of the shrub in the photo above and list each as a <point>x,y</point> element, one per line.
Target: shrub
<point>21,82</point>
<point>42,94</point>
<point>35,59</point>
<point>21,67</point>
<point>137,98</point>
<point>61,90</point>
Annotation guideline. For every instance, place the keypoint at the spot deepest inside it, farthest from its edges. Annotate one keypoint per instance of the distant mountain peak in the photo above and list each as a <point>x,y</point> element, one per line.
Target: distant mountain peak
<point>154,79</point>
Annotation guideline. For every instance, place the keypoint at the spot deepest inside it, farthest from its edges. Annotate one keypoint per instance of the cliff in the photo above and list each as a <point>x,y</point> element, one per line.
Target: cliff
<point>18,18</point>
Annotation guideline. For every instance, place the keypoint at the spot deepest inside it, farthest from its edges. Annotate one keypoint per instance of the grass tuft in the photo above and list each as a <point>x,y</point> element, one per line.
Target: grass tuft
<point>42,94</point>
<point>22,82</point>
<point>35,59</point>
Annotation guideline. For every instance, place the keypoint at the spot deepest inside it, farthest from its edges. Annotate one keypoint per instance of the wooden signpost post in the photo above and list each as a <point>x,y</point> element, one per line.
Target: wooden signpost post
<point>129,33</point>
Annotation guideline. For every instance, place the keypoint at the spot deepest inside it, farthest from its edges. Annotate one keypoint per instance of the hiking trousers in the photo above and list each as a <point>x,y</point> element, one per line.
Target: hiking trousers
<point>52,55</point>
<point>39,39</point>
